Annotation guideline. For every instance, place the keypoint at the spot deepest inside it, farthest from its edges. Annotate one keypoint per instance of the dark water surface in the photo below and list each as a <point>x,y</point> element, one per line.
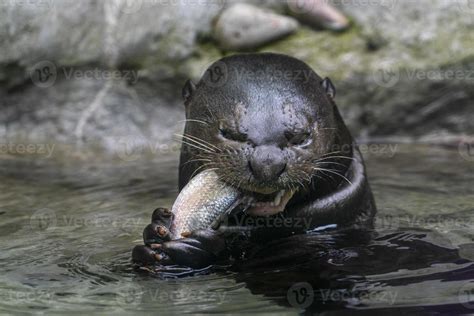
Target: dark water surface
<point>67,228</point>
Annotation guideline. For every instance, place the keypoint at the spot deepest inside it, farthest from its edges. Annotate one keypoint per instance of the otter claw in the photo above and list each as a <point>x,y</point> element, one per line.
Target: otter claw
<point>196,250</point>
<point>163,216</point>
<point>162,231</point>
<point>143,255</point>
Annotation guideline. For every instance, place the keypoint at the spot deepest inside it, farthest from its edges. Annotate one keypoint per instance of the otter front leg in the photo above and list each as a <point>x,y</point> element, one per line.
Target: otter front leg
<point>197,250</point>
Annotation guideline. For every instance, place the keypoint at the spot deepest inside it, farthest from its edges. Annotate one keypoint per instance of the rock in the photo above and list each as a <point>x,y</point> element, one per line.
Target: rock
<point>93,112</point>
<point>416,82</point>
<point>318,14</point>
<point>403,72</point>
<point>156,35</point>
<point>243,27</point>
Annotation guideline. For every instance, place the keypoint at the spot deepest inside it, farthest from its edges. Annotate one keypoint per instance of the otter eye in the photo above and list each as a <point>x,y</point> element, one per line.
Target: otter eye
<point>301,139</point>
<point>233,135</point>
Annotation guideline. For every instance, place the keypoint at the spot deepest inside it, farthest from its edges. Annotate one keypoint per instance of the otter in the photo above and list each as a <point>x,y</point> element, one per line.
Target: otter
<point>268,125</point>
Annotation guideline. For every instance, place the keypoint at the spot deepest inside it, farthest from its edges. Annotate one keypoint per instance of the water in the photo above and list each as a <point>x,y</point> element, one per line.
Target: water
<point>67,227</point>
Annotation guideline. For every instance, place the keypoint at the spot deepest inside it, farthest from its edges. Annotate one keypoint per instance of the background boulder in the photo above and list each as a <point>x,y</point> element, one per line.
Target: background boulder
<point>96,72</point>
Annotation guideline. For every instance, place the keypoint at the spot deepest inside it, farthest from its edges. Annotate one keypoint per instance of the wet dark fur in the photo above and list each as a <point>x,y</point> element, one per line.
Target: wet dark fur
<point>255,99</point>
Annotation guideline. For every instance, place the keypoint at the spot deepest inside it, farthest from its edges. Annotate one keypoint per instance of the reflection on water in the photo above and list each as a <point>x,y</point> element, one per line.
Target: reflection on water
<point>67,228</point>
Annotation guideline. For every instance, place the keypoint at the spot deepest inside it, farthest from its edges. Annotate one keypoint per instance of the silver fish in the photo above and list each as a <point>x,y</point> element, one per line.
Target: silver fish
<point>201,202</point>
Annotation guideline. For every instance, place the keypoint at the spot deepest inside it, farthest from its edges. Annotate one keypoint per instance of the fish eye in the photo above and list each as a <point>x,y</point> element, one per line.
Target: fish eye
<point>229,134</point>
<point>300,139</point>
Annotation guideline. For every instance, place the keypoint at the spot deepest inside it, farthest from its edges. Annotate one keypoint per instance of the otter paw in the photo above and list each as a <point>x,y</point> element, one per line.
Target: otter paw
<point>197,250</point>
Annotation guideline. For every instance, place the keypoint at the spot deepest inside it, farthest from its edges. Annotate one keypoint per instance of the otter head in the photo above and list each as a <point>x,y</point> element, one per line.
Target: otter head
<point>267,124</point>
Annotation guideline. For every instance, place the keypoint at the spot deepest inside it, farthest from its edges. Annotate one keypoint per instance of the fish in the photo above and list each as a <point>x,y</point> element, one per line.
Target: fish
<point>202,202</point>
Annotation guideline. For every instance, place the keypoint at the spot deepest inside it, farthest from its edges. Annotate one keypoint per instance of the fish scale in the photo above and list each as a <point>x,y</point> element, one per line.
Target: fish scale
<point>201,202</point>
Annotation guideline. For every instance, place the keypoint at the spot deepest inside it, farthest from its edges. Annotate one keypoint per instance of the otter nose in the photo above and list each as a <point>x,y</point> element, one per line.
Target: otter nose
<point>267,163</point>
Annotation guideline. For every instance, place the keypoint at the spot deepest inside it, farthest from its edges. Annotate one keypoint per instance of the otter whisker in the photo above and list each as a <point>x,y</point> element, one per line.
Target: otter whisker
<point>202,141</point>
<point>339,157</point>
<point>330,162</point>
<point>196,146</point>
<point>196,160</point>
<point>186,137</point>
<point>333,153</point>
<point>299,182</point>
<point>333,172</point>
<point>202,167</point>
<point>193,120</point>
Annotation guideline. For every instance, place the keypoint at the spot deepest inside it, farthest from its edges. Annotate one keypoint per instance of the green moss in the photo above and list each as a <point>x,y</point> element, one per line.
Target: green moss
<point>325,51</point>
<point>204,54</point>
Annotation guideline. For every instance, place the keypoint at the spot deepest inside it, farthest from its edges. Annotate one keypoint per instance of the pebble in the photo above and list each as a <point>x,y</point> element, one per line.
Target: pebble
<point>319,14</point>
<point>244,27</point>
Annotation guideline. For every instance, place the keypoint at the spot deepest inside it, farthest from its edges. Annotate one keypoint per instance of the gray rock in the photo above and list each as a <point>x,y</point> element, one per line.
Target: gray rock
<point>143,33</point>
<point>243,27</point>
<point>319,14</point>
<point>403,72</point>
<point>93,112</point>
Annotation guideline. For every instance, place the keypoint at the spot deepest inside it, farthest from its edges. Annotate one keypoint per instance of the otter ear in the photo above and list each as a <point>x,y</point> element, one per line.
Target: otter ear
<point>188,90</point>
<point>329,87</point>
